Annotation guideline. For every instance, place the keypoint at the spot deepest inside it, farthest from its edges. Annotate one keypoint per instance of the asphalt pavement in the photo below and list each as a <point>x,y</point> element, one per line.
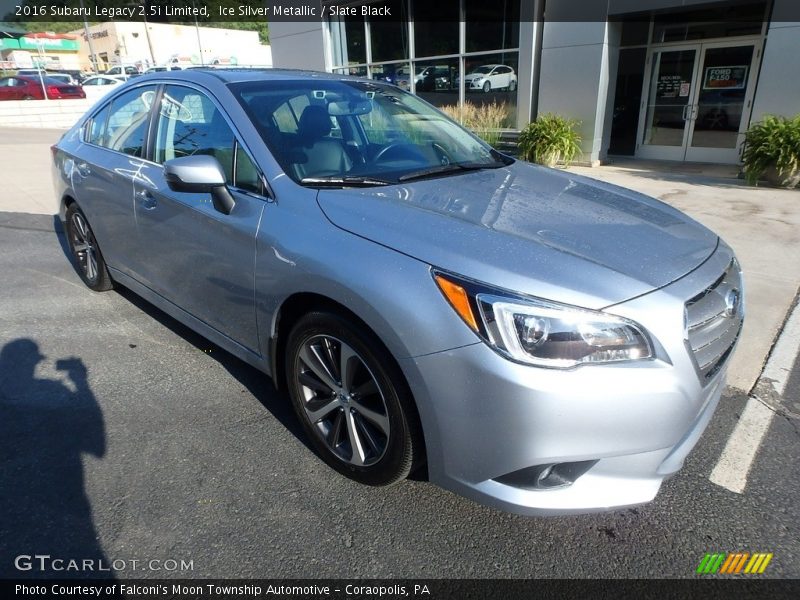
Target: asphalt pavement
<point>126,436</point>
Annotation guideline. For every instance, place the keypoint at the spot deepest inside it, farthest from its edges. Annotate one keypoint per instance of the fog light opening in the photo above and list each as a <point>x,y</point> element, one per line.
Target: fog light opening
<point>548,476</point>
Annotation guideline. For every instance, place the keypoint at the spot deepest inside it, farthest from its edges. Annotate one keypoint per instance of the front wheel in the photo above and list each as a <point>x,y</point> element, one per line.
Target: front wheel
<point>85,251</point>
<point>351,399</point>
<point>487,87</point>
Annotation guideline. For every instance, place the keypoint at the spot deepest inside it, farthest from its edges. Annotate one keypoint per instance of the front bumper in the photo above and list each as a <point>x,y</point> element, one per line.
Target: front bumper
<point>485,417</point>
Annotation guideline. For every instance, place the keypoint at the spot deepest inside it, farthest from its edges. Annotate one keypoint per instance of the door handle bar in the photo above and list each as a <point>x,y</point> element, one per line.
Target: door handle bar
<point>146,199</point>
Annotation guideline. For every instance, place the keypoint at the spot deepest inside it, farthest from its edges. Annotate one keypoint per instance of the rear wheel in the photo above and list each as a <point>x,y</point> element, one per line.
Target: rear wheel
<point>85,251</point>
<point>351,400</point>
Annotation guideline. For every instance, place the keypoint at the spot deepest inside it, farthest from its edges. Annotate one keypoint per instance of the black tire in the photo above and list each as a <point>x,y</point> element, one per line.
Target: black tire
<point>86,256</point>
<point>487,87</point>
<point>512,86</point>
<point>316,334</point>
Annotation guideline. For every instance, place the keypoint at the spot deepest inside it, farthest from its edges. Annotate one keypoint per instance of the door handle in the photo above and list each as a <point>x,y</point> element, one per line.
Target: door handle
<point>146,199</point>
<point>685,109</point>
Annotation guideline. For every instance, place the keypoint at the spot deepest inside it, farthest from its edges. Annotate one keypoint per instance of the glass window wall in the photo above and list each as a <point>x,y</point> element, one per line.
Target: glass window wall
<point>428,51</point>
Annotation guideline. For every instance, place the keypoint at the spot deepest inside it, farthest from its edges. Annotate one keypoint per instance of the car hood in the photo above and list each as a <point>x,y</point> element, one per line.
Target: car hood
<point>530,229</point>
<point>471,76</point>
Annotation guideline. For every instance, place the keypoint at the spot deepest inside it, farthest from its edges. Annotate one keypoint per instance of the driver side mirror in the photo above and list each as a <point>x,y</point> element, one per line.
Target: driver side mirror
<point>200,174</point>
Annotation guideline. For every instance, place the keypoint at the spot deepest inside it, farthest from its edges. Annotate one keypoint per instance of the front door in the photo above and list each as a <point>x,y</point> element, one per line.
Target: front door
<point>193,255</point>
<point>698,102</point>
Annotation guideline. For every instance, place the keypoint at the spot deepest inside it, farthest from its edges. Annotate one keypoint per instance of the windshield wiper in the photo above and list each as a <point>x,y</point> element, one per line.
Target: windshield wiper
<point>351,181</point>
<point>451,168</point>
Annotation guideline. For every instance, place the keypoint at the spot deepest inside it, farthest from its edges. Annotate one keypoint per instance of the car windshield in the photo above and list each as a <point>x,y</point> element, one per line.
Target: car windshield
<point>357,133</point>
<point>486,69</point>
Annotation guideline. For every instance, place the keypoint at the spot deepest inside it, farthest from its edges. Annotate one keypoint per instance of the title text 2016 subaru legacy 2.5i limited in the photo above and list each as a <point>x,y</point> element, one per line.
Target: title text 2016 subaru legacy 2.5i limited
<point>546,342</point>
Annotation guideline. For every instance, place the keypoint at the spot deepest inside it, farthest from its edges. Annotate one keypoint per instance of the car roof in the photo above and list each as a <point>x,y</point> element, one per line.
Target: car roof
<point>237,75</point>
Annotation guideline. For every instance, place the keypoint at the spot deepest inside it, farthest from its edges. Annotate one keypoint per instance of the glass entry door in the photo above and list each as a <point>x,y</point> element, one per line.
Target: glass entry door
<point>721,105</point>
<point>698,102</point>
<point>669,103</point>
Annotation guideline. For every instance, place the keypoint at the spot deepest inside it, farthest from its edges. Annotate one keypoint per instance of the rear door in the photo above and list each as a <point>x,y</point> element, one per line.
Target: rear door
<point>106,168</point>
<point>193,255</point>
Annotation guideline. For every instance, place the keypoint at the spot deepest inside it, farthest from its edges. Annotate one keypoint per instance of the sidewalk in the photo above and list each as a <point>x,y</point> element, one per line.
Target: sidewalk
<point>26,170</point>
<point>761,224</point>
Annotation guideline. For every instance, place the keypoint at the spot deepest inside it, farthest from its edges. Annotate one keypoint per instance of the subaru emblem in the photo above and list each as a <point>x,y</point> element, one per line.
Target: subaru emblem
<point>732,301</point>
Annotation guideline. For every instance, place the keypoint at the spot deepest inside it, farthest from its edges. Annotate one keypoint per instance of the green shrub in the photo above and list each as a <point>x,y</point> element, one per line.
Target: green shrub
<point>486,120</point>
<point>550,139</point>
<point>773,143</point>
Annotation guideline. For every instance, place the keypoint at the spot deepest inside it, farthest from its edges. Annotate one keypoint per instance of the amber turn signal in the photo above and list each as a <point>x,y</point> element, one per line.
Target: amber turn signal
<point>458,299</point>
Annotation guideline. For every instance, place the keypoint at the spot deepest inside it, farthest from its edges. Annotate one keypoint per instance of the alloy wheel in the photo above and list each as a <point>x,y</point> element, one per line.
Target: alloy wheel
<point>342,400</point>
<point>84,246</point>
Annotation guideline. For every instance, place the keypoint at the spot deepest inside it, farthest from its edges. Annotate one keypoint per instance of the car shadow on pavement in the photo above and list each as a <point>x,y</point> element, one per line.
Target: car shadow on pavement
<point>46,426</point>
<point>256,382</point>
<point>61,235</point>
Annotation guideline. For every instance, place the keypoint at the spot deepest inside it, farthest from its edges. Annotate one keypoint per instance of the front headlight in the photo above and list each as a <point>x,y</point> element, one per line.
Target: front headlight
<point>543,333</point>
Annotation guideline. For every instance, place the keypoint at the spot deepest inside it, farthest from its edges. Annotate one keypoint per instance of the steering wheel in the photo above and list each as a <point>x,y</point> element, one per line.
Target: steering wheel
<point>442,154</point>
<point>402,149</point>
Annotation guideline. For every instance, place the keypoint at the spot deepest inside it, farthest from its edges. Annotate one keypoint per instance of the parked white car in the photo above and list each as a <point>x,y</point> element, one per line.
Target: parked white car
<point>492,77</point>
<point>99,85</point>
<point>127,70</point>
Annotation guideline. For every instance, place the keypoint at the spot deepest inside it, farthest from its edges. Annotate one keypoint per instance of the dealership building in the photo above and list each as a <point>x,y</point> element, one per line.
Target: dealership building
<point>673,80</point>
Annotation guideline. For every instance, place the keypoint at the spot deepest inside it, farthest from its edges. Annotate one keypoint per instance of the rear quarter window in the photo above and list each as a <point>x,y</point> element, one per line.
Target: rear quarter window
<point>97,128</point>
<point>127,121</point>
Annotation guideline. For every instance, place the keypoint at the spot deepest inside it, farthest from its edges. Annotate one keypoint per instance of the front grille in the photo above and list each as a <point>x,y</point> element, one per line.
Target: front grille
<point>714,320</point>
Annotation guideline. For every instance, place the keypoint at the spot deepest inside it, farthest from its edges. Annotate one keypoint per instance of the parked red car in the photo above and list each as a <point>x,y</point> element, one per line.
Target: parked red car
<point>20,87</point>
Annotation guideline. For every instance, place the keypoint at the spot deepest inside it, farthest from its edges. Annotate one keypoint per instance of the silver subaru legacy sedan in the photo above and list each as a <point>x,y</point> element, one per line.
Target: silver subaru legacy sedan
<point>544,342</point>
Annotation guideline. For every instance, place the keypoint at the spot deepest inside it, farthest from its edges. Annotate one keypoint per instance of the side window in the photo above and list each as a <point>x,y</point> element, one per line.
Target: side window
<point>188,124</point>
<point>127,121</point>
<point>298,104</point>
<point>287,115</point>
<point>97,129</point>
<point>285,119</point>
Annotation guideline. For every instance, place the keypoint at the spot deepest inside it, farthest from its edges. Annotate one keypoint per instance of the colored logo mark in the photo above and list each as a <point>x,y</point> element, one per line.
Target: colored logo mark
<point>734,563</point>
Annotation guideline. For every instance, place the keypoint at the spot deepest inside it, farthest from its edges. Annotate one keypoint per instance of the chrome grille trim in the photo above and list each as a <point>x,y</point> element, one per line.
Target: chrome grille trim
<point>711,331</point>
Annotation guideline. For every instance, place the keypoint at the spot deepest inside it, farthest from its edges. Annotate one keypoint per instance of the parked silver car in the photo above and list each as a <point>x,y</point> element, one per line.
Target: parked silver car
<point>547,343</point>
